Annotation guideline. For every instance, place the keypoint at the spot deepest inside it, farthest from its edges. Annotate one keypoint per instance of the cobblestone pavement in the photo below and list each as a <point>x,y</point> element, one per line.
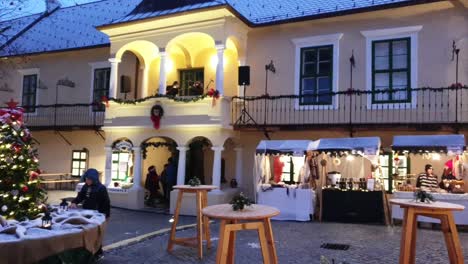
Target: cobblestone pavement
<point>298,243</point>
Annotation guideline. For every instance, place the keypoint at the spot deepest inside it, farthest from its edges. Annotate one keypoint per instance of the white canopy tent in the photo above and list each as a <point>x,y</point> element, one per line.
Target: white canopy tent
<point>368,147</point>
<point>447,143</point>
<point>293,203</point>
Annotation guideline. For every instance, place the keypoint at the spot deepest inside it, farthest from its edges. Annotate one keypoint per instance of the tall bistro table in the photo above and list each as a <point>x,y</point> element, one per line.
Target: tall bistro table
<point>438,210</point>
<point>256,217</point>
<point>203,228</point>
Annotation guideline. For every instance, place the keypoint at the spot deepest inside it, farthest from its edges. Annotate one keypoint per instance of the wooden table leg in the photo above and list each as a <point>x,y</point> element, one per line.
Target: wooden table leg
<point>221,242</point>
<point>170,244</point>
<point>232,244</point>
<point>455,240</point>
<point>407,236</point>
<point>263,243</point>
<point>444,224</point>
<point>199,224</point>
<point>270,241</point>
<point>414,228</point>
<point>206,220</point>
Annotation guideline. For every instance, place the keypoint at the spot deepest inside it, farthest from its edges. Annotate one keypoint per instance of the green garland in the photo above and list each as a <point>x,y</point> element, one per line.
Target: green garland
<point>185,99</point>
<point>145,145</point>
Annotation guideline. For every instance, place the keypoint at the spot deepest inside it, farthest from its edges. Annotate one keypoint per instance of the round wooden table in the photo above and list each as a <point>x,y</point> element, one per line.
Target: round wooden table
<point>203,228</point>
<point>438,210</point>
<point>256,217</point>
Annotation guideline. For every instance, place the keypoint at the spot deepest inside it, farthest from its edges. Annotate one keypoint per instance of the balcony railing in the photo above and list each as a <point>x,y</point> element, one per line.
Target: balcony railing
<point>426,107</point>
<point>63,116</point>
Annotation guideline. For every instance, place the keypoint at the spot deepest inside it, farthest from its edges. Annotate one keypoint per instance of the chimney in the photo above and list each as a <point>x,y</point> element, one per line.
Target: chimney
<point>51,5</point>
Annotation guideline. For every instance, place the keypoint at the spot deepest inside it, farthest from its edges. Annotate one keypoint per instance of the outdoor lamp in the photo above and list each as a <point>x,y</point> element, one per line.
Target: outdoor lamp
<point>47,221</point>
<point>63,205</point>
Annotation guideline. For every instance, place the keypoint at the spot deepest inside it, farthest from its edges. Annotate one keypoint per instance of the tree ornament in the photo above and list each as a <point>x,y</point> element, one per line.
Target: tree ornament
<point>21,158</point>
<point>156,113</point>
<point>4,208</point>
<point>9,160</point>
<point>25,189</point>
<point>14,192</point>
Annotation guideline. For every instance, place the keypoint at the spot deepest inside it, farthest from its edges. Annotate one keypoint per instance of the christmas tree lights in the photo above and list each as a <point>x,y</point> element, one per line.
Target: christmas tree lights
<point>20,191</point>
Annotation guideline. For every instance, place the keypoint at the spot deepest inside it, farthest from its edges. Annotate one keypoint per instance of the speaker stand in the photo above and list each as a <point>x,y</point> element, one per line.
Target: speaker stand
<point>245,117</point>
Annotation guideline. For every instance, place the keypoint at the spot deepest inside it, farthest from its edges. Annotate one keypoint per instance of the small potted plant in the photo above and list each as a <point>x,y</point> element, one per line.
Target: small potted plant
<point>194,182</point>
<point>423,196</point>
<point>239,202</point>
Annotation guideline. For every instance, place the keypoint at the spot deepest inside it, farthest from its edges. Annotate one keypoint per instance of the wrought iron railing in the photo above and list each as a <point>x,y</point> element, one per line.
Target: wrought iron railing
<point>63,116</point>
<point>421,106</point>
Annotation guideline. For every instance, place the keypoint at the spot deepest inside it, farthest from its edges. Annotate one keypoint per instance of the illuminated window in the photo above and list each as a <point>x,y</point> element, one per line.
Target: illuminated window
<point>79,162</point>
<point>121,164</point>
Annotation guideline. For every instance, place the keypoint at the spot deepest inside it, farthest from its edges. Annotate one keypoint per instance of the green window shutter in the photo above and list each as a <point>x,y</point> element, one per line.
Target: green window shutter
<point>391,71</point>
<point>316,75</point>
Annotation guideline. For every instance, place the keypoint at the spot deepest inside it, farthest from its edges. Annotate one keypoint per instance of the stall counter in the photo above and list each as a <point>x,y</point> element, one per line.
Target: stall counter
<point>294,204</point>
<point>461,217</point>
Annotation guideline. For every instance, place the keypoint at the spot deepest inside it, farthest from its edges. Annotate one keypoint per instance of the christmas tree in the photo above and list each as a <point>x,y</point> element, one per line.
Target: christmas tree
<point>20,191</point>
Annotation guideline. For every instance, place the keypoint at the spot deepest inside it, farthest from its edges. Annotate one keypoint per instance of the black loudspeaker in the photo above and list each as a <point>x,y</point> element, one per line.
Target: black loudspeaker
<point>125,84</point>
<point>244,75</point>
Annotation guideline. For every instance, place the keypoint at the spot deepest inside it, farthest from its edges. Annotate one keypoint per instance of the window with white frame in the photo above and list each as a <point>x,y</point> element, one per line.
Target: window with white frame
<point>316,71</point>
<point>100,83</point>
<point>391,67</point>
<point>316,75</point>
<point>79,162</point>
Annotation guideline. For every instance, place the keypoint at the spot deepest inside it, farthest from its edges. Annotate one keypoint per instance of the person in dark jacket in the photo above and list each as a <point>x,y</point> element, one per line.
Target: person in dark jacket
<point>163,180</point>
<point>152,184</point>
<point>93,195</point>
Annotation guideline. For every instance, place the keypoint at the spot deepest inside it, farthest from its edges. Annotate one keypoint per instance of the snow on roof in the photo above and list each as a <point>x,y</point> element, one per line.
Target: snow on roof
<point>149,9</point>
<point>429,142</point>
<point>74,27</point>
<point>70,28</point>
<point>10,28</point>
<point>268,11</point>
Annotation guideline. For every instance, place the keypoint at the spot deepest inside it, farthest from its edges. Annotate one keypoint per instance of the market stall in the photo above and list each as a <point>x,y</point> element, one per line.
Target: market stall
<point>445,153</point>
<point>349,189</point>
<point>282,180</point>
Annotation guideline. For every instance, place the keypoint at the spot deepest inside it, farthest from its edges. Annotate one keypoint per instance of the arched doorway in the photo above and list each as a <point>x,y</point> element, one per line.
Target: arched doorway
<point>199,160</point>
<point>161,155</point>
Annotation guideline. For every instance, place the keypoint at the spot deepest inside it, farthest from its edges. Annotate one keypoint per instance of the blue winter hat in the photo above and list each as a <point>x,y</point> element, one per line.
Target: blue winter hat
<point>92,174</point>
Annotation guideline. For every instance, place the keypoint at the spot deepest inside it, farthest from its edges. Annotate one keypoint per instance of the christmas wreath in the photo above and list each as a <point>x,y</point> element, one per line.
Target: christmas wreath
<point>156,113</point>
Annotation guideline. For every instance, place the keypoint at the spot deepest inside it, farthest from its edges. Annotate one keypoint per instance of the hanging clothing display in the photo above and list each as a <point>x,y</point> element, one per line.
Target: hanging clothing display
<point>266,169</point>
<point>277,168</point>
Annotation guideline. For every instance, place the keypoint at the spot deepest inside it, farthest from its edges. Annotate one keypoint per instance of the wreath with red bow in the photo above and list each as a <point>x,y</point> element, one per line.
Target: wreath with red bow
<point>156,113</point>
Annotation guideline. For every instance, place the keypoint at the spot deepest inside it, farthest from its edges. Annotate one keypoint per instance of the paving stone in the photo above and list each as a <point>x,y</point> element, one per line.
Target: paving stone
<point>298,243</point>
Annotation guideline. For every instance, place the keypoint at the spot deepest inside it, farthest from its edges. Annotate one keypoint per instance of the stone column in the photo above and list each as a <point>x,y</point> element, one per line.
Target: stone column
<point>239,165</point>
<point>181,165</point>
<point>144,81</point>
<point>137,168</point>
<point>108,166</point>
<point>114,77</point>
<point>162,72</point>
<point>217,166</point>
<point>220,69</point>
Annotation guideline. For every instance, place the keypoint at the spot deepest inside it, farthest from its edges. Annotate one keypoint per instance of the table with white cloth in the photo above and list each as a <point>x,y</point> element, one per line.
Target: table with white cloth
<point>25,242</point>
<point>461,217</point>
<point>294,204</point>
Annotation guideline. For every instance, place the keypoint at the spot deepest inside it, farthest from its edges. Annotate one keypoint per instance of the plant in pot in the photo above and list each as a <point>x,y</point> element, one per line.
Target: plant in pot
<point>194,182</point>
<point>239,202</point>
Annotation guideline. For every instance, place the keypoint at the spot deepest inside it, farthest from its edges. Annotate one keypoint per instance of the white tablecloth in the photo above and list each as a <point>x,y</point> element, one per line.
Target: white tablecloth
<point>298,205</point>
<point>461,217</point>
